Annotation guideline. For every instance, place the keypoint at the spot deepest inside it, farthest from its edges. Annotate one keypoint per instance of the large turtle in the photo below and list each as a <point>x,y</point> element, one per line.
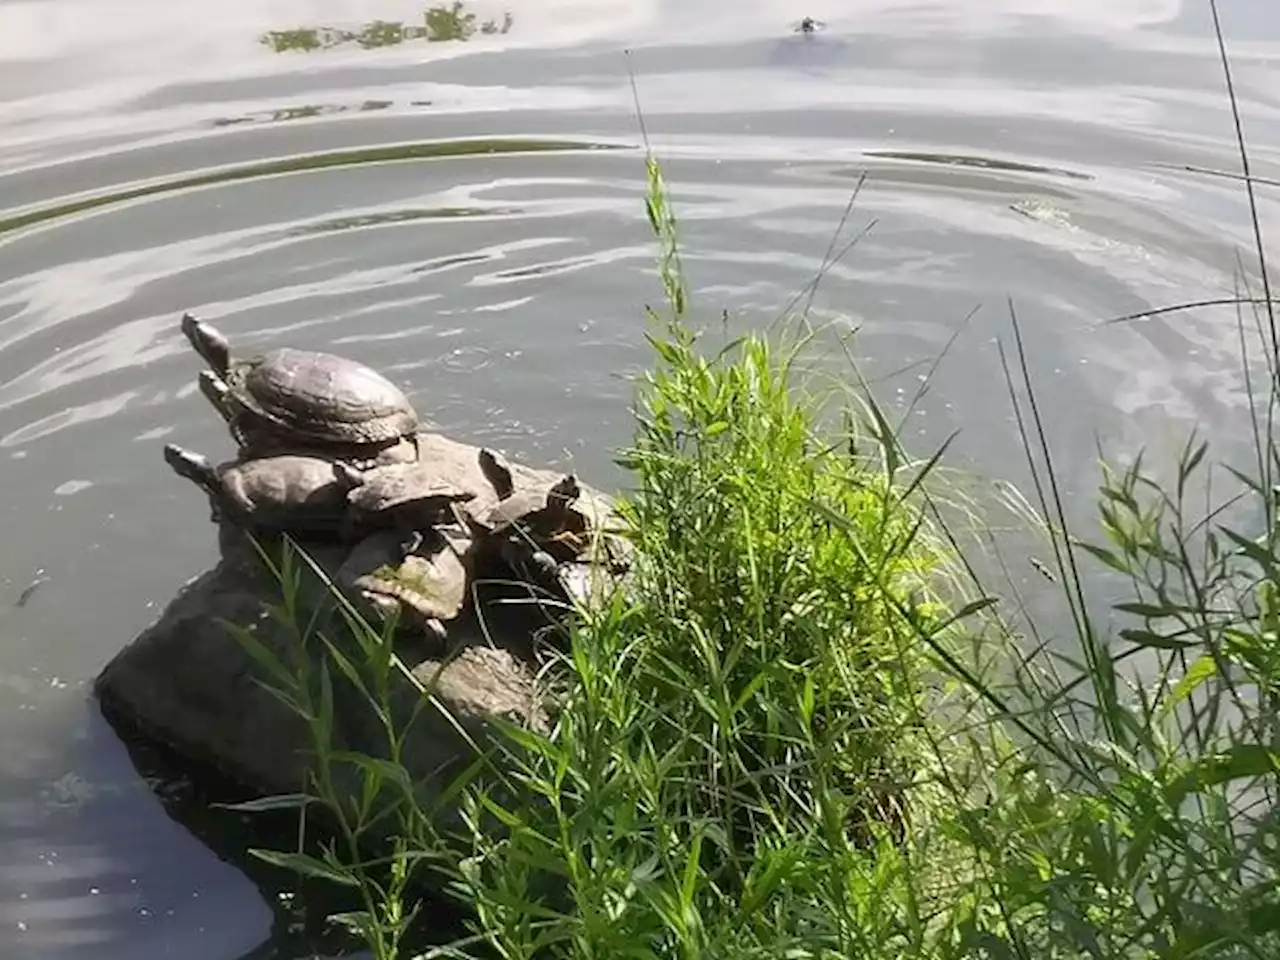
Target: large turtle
<point>421,585</point>
<point>407,497</point>
<point>286,493</point>
<point>290,400</point>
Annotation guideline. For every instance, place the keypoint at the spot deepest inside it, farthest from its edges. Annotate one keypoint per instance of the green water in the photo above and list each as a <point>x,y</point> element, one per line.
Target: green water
<point>455,196</point>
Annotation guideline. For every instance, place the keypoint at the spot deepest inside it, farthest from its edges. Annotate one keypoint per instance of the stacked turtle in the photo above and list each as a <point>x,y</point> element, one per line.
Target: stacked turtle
<point>329,450</point>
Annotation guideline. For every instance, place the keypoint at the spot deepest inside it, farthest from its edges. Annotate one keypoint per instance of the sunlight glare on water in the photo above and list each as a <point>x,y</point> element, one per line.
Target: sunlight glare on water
<point>466,214</point>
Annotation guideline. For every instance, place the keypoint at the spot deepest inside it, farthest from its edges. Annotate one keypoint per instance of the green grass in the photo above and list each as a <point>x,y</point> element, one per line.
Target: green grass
<point>809,730</point>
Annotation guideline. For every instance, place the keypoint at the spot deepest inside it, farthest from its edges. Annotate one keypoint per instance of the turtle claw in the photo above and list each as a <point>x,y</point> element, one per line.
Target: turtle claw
<point>208,342</point>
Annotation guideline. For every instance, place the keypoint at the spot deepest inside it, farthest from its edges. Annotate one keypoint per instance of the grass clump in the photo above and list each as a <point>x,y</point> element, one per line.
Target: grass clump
<point>729,773</point>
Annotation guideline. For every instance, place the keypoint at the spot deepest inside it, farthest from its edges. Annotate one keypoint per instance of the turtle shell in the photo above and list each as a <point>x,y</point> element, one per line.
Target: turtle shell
<point>322,396</point>
<point>427,585</point>
<point>530,504</point>
<point>407,485</point>
<point>288,491</point>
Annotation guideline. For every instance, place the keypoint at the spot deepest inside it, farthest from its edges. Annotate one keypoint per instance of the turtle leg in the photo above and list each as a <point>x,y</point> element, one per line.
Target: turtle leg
<point>497,472</point>
<point>475,530</point>
<point>349,477</point>
<point>208,342</point>
<point>544,563</point>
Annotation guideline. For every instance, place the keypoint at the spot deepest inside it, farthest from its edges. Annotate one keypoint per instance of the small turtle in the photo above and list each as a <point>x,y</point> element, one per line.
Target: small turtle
<point>560,515</point>
<point>409,497</point>
<point>422,588</point>
<point>282,493</point>
<point>304,400</point>
<point>542,513</point>
<point>540,532</point>
<point>808,25</point>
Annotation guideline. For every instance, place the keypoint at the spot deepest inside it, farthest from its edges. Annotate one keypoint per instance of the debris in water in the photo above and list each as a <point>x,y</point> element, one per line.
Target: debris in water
<point>31,589</point>
<point>1043,569</point>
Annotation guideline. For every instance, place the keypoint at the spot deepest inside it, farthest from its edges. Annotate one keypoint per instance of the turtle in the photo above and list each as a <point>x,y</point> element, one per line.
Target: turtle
<point>540,531</point>
<point>283,493</point>
<point>543,511</point>
<point>422,585</point>
<point>292,400</point>
<point>408,497</point>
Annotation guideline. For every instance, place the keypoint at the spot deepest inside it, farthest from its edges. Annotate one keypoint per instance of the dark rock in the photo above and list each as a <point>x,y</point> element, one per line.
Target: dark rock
<point>187,681</point>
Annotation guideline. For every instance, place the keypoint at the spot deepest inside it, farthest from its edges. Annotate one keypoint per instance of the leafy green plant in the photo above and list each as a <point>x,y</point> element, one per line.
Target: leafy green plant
<point>377,827</point>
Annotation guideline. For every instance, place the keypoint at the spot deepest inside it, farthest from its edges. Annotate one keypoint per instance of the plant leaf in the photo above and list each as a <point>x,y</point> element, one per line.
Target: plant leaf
<point>280,801</point>
<point>305,865</point>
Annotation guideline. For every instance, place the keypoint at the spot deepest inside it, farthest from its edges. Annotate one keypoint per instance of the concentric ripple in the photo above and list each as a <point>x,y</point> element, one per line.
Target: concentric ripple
<point>463,208</point>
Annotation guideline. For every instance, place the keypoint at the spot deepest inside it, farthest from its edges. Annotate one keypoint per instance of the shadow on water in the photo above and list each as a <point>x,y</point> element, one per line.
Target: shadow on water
<point>439,24</point>
<point>100,875</point>
<point>195,797</point>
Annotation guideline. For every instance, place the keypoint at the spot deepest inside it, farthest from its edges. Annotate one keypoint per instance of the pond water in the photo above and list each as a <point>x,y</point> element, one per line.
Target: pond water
<point>455,196</point>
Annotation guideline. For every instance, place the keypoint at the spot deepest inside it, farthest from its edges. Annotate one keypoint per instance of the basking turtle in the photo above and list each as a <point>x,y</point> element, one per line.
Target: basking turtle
<point>408,497</point>
<point>281,493</point>
<point>291,400</point>
<point>422,587</point>
<point>542,513</point>
<point>560,514</point>
<point>544,532</point>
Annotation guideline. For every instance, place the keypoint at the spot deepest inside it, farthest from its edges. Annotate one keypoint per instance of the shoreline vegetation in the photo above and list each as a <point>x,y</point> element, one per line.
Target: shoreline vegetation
<point>810,730</point>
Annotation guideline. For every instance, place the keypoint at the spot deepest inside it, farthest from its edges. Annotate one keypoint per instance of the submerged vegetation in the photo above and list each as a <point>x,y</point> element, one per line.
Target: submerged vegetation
<point>439,24</point>
<point>809,730</point>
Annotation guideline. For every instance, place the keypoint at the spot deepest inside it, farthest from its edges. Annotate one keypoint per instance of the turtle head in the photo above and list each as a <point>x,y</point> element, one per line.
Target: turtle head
<point>207,341</point>
<point>565,490</point>
<point>191,466</point>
